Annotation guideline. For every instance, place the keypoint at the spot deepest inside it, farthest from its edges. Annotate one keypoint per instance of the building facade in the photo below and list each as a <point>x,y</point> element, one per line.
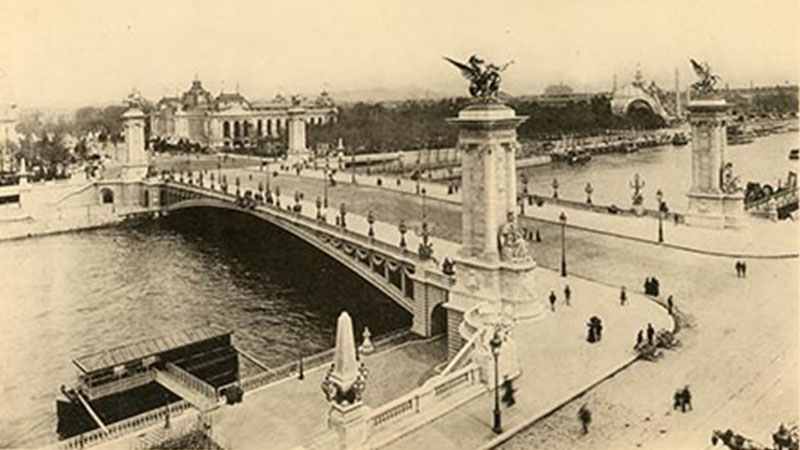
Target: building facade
<point>229,120</point>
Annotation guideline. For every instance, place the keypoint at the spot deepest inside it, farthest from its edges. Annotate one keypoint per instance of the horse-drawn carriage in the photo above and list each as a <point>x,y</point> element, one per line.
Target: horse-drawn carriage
<point>785,438</point>
<point>663,339</point>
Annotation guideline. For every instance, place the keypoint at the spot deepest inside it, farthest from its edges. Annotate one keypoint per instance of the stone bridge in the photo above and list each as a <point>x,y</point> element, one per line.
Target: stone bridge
<point>415,283</point>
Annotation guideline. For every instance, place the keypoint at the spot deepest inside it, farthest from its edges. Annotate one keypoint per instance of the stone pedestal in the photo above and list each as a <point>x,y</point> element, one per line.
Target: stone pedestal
<point>708,203</point>
<point>487,272</point>
<point>349,424</point>
<point>134,164</point>
<point>296,128</point>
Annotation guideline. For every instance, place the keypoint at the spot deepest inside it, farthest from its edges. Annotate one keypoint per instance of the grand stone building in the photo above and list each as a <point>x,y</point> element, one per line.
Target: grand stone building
<point>230,120</point>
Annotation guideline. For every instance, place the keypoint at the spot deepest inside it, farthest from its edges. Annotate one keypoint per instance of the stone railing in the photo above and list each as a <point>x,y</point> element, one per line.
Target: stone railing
<point>472,330</point>
<point>192,382</point>
<point>125,426</point>
<point>599,208</point>
<point>291,369</point>
<point>422,400</point>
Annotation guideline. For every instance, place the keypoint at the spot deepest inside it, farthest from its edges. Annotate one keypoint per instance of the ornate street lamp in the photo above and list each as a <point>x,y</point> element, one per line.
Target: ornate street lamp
<point>371,221</point>
<point>563,219</point>
<point>325,184</point>
<point>660,198</point>
<point>342,214</point>
<point>403,229</point>
<point>238,192</point>
<point>211,175</point>
<point>319,208</point>
<point>278,196</point>
<point>637,184</point>
<point>555,187</point>
<point>495,345</point>
<point>588,189</point>
<point>297,206</point>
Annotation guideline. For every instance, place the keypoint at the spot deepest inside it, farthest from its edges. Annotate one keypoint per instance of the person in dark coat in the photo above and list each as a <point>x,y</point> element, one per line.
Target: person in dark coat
<point>639,338</point>
<point>670,305</point>
<point>567,294</point>
<point>651,333</point>
<point>623,297</point>
<point>648,286</point>
<point>552,301</point>
<point>508,393</point>
<point>744,269</point>
<point>598,327</point>
<point>656,287</point>
<point>585,417</point>
<point>686,400</point>
<point>738,267</point>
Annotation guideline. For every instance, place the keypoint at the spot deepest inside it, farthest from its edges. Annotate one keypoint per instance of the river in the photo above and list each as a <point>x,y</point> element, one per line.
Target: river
<point>667,168</point>
<point>67,295</point>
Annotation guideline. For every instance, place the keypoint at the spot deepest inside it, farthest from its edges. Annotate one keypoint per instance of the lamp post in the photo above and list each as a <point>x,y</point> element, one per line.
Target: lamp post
<point>319,209</point>
<point>371,221</point>
<point>563,219</point>
<point>660,198</point>
<point>589,190</point>
<point>495,344</point>
<point>353,165</point>
<point>402,228</point>
<point>325,184</point>
<point>524,194</point>
<point>342,214</point>
<point>555,187</point>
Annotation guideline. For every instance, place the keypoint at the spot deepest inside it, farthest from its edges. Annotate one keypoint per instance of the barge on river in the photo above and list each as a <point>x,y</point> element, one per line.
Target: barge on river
<point>125,381</point>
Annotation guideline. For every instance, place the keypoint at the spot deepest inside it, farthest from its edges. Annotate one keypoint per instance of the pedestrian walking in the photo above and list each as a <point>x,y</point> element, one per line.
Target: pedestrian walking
<point>552,301</point>
<point>585,417</point>
<point>598,327</point>
<point>648,286</point>
<point>623,297</point>
<point>508,392</point>
<point>651,332</point>
<point>686,399</point>
<point>744,269</point>
<point>677,399</point>
<point>670,305</point>
<point>656,287</point>
<point>738,269</point>
<point>639,338</point>
<point>538,236</point>
<point>567,294</point>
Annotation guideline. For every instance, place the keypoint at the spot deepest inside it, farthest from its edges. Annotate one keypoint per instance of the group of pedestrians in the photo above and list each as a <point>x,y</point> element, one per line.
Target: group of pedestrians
<point>682,399</point>
<point>741,269</point>
<point>651,286</point>
<point>651,336</point>
<point>553,298</point>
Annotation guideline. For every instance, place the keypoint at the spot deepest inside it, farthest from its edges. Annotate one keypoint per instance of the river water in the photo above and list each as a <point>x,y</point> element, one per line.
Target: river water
<point>667,168</point>
<point>67,295</point>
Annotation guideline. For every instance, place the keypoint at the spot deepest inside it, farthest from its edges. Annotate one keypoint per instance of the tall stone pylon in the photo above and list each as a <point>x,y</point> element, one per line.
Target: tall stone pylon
<point>715,198</point>
<point>494,264</point>
<point>296,127</point>
<point>343,386</point>
<point>134,166</point>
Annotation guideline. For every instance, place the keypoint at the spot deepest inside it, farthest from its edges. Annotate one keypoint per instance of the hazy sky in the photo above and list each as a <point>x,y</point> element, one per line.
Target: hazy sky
<point>69,53</point>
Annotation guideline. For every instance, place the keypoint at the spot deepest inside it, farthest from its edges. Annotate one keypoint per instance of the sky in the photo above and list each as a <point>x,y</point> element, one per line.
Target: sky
<point>67,53</point>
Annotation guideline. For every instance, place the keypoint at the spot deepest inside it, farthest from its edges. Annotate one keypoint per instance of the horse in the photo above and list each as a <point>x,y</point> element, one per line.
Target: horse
<point>735,441</point>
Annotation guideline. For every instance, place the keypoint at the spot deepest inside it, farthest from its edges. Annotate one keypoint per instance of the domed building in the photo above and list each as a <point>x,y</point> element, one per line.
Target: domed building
<point>229,120</point>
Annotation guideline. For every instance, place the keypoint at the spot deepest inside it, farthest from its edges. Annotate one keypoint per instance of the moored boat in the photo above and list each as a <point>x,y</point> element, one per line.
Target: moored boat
<point>122,382</point>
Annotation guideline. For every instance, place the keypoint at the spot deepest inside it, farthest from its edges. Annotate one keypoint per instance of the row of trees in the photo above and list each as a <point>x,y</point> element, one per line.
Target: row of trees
<point>412,125</point>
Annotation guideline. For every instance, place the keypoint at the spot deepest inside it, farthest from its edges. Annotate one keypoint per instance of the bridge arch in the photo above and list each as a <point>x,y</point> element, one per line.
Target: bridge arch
<point>360,261</point>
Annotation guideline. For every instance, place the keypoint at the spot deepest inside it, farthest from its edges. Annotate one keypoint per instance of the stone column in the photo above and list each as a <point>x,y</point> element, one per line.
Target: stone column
<point>296,125</point>
<point>489,272</point>
<point>135,158</point>
<point>712,200</point>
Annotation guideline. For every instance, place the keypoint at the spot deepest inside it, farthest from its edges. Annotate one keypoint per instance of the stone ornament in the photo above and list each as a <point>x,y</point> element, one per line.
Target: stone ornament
<point>484,77</point>
<point>513,247</point>
<point>705,86</point>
